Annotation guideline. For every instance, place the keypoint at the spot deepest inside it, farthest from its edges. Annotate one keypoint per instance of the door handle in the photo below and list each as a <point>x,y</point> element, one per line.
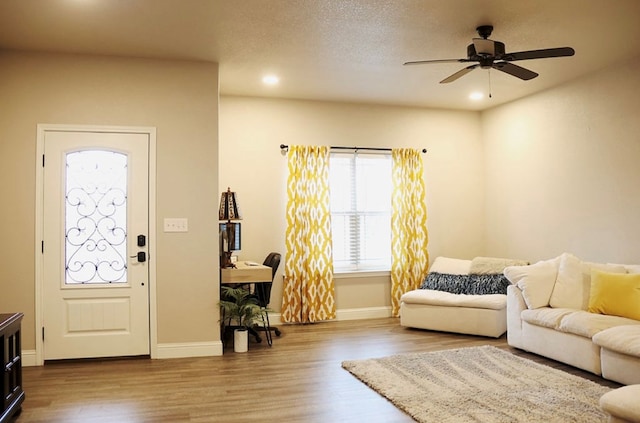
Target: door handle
<point>141,256</point>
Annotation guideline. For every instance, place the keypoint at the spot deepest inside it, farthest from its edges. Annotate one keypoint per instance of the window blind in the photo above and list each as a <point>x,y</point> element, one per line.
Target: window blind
<point>361,187</point>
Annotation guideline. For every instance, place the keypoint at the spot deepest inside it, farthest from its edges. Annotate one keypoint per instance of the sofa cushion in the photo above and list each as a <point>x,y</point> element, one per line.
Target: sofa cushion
<point>486,284</point>
<point>546,316</point>
<point>492,265</point>
<point>535,281</point>
<point>622,404</point>
<point>450,265</point>
<point>567,291</point>
<point>615,294</point>
<point>446,282</point>
<point>573,283</point>
<point>632,268</point>
<point>466,284</point>
<point>440,298</point>
<point>587,324</point>
<point>621,339</point>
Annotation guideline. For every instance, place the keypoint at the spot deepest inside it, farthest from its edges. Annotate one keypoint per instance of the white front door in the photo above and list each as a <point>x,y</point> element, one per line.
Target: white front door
<point>95,244</point>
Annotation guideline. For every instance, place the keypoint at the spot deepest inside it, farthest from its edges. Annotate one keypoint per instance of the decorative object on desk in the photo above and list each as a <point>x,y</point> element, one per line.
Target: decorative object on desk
<point>239,306</point>
<point>230,241</point>
<point>229,231</point>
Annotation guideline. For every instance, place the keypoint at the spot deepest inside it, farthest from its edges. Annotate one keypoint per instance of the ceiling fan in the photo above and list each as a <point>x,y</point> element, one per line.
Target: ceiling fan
<point>491,54</point>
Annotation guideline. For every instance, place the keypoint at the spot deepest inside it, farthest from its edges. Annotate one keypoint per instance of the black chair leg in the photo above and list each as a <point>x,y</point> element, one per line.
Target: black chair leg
<point>267,329</point>
<point>273,328</point>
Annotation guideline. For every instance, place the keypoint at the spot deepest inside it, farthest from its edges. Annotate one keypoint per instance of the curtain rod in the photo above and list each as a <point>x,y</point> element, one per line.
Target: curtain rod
<point>334,147</point>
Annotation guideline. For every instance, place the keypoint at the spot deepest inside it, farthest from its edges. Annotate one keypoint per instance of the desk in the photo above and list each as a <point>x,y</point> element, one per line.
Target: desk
<point>244,273</point>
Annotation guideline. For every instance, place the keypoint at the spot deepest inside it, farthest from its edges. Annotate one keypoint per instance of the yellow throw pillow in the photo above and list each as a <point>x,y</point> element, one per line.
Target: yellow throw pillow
<point>617,294</point>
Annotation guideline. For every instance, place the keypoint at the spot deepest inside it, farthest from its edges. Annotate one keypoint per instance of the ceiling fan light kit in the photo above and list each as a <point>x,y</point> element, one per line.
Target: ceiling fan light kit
<point>490,54</point>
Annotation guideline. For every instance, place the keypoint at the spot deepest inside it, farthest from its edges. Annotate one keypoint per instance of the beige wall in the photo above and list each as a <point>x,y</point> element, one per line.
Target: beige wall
<point>563,173</point>
<point>180,99</point>
<point>251,163</point>
<point>554,172</point>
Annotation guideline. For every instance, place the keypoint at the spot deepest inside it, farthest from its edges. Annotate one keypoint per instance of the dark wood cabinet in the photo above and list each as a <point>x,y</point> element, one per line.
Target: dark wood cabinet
<point>12,393</point>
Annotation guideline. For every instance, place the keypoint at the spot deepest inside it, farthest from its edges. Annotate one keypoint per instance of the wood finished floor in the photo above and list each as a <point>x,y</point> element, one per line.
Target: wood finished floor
<point>299,379</point>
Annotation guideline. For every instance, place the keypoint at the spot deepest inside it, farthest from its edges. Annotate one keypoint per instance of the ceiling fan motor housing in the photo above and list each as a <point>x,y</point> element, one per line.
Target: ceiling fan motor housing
<point>498,52</point>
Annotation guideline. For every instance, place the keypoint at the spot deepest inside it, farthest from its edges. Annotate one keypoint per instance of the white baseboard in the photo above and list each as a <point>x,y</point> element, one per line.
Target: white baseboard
<point>346,314</point>
<point>28,358</point>
<point>189,349</point>
<point>364,313</point>
<point>275,319</point>
<point>177,350</point>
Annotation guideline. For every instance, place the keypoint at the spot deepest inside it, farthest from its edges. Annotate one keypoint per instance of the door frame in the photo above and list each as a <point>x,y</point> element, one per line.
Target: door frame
<point>42,129</point>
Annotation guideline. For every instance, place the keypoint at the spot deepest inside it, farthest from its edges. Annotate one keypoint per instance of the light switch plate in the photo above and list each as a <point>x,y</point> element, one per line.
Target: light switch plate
<point>176,224</point>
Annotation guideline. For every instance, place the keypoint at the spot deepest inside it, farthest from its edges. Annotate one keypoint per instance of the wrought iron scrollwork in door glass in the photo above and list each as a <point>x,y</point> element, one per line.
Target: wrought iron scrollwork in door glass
<point>96,217</point>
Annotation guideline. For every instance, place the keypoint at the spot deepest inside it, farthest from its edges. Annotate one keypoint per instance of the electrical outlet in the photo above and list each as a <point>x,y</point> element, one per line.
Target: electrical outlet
<point>176,224</point>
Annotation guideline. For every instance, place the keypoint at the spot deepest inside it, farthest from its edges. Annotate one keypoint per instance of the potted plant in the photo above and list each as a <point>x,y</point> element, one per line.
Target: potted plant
<point>239,306</point>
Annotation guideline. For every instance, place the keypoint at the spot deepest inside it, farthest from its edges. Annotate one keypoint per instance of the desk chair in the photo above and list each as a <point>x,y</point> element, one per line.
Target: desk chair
<point>263,294</point>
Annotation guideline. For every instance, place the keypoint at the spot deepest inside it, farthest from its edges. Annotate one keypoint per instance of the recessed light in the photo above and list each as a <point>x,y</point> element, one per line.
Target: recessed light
<point>476,96</point>
<point>270,80</point>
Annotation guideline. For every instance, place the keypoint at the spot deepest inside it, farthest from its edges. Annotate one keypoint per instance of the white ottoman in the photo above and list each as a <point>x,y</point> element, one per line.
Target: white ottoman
<point>622,404</point>
<point>620,353</point>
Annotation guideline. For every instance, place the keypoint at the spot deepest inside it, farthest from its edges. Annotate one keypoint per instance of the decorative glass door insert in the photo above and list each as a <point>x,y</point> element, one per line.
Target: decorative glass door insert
<point>95,217</point>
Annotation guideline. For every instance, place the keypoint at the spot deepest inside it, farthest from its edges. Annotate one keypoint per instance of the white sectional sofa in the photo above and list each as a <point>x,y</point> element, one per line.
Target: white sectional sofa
<point>475,303</point>
<point>580,313</point>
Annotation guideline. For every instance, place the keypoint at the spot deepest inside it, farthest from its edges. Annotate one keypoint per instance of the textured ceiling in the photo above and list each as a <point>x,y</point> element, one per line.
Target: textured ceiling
<point>342,50</point>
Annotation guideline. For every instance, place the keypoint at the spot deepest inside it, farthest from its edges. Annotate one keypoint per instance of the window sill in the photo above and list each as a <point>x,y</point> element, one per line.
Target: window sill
<point>348,274</point>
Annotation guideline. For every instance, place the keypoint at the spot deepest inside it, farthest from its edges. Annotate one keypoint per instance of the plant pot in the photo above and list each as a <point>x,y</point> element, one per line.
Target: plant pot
<point>240,340</point>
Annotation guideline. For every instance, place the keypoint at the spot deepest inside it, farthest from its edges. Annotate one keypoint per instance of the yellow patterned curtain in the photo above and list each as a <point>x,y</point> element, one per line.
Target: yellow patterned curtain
<point>309,293</point>
<point>410,259</point>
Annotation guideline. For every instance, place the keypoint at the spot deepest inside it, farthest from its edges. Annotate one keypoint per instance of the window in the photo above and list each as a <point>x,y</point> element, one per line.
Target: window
<point>361,188</point>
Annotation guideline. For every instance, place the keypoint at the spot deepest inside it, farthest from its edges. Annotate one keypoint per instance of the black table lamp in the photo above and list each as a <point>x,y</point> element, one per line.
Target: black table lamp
<point>229,231</point>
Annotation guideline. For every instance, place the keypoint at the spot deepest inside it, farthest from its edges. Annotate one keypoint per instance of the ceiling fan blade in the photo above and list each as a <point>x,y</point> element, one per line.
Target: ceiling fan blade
<point>515,70</point>
<point>539,54</point>
<point>458,74</point>
<point>423,62</point>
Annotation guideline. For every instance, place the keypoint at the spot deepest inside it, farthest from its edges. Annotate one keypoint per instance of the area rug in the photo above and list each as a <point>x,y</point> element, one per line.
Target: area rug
<point>480,384</point>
